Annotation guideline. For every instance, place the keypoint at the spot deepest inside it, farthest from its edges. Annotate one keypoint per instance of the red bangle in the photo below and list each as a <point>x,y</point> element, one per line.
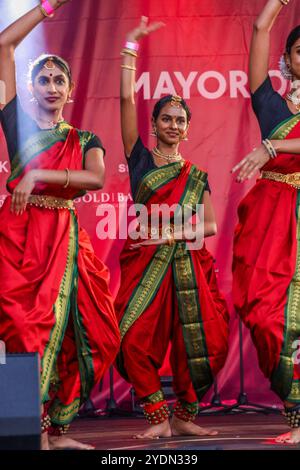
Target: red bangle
<point>47,8</point>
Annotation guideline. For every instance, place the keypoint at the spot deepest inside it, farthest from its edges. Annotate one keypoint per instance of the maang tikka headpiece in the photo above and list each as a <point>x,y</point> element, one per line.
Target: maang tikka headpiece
<point>49,65</point>
<point>176,101</point>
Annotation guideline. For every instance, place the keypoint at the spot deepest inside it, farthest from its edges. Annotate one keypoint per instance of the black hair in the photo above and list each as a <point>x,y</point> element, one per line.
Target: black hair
<point>36,66</point>
<point>167,99</point>
<point>292,38</point>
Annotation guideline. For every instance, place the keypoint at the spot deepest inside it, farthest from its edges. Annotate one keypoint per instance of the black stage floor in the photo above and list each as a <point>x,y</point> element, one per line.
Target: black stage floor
<point>235,432</point>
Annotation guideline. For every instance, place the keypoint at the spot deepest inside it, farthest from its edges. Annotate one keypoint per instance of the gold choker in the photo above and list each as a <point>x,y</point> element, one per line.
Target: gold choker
<point>169,158</point>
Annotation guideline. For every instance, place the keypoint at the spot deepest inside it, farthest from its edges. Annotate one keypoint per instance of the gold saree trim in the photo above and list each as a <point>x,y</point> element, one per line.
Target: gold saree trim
<point>293,318</point>
<point>282,377</point>
<point>190,318</point>
<point>292,179</point>
<point>155,397</point>
<point>35,145</point>
<point>84,354</point>
<point>155,179</point>
<point>51,202</point>
<point>187,296</point>
<point>294,395</point>
<point>283,130</point>
<point>147,287</point>
<point>63,414</point>
<point>61,311</point>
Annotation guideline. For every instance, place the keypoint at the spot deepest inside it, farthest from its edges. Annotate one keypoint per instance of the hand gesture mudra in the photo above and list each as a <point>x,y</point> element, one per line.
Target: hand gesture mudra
<point>144,29</point>
<point>251,164</point>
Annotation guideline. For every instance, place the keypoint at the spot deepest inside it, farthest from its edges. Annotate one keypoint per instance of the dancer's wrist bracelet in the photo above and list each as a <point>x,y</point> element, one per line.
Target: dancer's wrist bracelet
<point>68,178</point>
<point>129,52</point>
<point>46,8</point>
<point>270,148</point>
<point>128,67</point>
<point>133,46</point>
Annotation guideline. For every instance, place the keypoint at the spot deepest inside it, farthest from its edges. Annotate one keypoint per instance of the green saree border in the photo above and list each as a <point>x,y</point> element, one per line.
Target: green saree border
<point>63,414</point>
<point>35,145</point>
<point>281,131</point>
<point>155,179</point>
<point>188,299</point>
<point>84,354</point>
<point>191,321</point>
<point>155,397</point>
<point>195,187</point>
<point>147,288</point>
<point>282,378</point>
<point>61,310</point>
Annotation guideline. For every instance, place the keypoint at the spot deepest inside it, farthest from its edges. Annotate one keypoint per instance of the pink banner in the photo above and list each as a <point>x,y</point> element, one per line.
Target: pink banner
<point>201,54</point>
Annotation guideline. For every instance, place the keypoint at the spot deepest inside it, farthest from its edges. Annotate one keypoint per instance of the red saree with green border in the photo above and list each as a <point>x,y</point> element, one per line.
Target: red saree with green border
<point>54,294</point>
<point>150,274</point>
<point>266,268</point>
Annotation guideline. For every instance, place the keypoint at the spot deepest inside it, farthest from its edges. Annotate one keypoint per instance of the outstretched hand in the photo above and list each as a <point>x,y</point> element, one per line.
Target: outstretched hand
<point>253,162</point>
<point>21,193</point>
<point>149,242</point>
<point>144,29</point>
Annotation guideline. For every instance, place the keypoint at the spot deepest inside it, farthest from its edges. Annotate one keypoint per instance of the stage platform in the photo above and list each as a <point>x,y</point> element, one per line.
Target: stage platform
<point>236,432</point>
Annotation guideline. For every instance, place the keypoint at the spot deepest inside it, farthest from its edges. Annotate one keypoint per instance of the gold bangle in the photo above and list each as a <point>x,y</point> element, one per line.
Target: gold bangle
<point>128,67</point>
<point>129,52</point>
<point>68,178</point>
<point>270,148</point>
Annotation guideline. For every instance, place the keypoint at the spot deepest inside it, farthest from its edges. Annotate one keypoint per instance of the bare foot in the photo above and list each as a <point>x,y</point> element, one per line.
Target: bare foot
<point>44,441</point>
<point>155,431</point>
<point>187,428</point>
<point>292,437</point>
<point>63,442</point>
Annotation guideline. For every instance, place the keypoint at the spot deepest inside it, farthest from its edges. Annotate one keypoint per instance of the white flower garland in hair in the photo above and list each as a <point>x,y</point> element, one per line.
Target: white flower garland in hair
<point>284,70</point>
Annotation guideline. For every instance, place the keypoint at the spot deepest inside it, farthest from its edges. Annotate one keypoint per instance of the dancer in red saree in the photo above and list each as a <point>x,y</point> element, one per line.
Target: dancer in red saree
<point>168,292</point>
<point>54,295</point>
<point>266,245</point>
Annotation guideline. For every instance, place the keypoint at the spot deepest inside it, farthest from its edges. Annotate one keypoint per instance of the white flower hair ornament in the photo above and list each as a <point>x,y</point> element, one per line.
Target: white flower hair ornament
<point>284,70</point>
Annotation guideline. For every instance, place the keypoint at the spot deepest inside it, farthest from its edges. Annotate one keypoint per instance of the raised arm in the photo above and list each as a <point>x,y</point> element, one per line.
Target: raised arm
<point>260,44</point>
<point>10,38</point>
<point>129,124</point>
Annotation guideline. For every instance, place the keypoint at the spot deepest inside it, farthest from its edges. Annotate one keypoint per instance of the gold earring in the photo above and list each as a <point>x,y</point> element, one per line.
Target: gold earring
<point>153,133</point>
<point>69,100</point>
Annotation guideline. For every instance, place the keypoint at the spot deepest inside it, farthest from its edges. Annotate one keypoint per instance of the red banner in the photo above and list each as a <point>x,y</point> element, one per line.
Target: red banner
<point>201,54</point>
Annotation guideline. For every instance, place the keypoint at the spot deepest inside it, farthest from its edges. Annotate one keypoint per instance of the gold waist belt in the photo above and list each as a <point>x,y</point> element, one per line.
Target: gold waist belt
<point>50,202</point>
<point>293,179</point>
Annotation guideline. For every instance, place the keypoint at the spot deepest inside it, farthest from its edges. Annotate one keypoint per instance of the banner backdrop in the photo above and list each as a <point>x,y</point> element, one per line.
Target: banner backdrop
<point>201,54</point>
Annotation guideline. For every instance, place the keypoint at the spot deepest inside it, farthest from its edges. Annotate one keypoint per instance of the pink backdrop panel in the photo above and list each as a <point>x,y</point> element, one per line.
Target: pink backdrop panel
<point>201,54</point>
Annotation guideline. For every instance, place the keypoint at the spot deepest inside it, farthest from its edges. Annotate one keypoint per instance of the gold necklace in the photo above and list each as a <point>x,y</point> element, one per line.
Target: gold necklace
<point>169,158</point>
<point>51,124</point>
